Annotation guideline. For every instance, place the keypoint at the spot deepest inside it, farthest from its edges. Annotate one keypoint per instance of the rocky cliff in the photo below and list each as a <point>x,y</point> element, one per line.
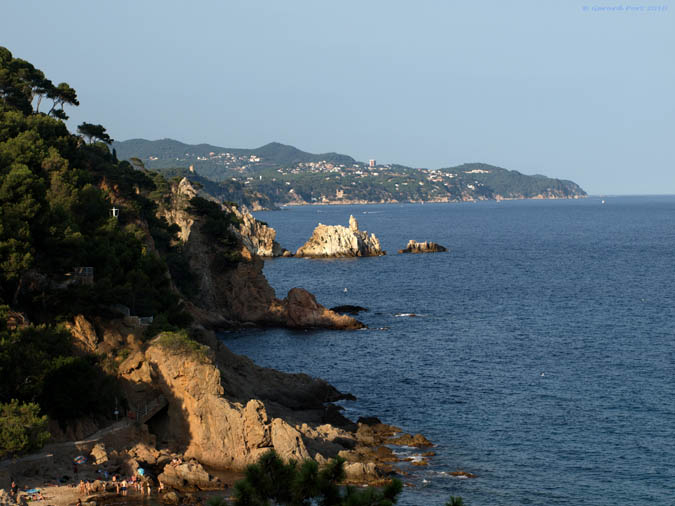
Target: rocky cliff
<point>339,241</point>
<point>256,236</point>
<point>224,411</point>
<point>238,293</point>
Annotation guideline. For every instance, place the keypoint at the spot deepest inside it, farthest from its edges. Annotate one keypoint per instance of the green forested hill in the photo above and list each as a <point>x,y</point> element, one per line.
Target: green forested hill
<point>280,174</point>
<point>211,160</point>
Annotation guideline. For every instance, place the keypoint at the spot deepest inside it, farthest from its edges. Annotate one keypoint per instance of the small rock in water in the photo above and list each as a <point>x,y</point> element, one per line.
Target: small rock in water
<point>348,308</point>
<point>422,247</point>
<point>462,474</point>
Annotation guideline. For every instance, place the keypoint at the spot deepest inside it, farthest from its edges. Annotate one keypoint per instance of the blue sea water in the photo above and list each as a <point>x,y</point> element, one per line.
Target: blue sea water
<point>542,358</point>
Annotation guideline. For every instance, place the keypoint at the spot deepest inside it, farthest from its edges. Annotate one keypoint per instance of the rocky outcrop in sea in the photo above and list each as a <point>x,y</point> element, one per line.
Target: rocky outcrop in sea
<point>339,241</point>
<point>240,294</point>
<point>422,247</point>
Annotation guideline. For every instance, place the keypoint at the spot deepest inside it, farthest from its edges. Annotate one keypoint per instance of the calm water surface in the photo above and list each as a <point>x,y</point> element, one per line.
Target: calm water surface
<point>542,358</point>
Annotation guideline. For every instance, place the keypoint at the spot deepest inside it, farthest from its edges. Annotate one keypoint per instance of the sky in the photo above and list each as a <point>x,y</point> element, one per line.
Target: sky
<point>564,88</point>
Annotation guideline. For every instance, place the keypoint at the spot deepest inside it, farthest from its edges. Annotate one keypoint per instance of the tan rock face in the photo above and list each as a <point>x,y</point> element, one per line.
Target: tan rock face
<point>422,247</point>
<point>84,334</point>
<point>256,236</point>
<point>288,442</point>
<point>339,241</point>
<point>210,428</point>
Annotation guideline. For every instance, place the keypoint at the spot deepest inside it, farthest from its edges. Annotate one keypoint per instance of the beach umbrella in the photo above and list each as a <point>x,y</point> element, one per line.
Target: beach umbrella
<point>141,471</point>
<point>80,459</point>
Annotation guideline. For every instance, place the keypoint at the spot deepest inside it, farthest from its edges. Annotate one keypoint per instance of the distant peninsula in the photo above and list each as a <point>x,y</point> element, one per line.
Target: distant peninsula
<point>277,174</point>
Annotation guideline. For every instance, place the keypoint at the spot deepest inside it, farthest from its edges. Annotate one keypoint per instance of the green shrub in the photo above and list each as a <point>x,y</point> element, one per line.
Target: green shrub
<point>22,429</point>
<point>292,483</point>
<point>181,343</point>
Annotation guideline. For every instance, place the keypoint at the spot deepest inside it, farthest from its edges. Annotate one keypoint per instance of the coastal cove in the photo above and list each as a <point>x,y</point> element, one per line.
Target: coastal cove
<point>540,355</point>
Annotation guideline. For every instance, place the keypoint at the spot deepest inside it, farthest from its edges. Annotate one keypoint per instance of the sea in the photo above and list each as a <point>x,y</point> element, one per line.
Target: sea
<point>538,353</point>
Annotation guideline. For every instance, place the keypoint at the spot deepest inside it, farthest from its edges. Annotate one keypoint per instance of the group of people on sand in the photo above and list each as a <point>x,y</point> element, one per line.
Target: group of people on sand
<point>142,484</point>
<point>29,495</point>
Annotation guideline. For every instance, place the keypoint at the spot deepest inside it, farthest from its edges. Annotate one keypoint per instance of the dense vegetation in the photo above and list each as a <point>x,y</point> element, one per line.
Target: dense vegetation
<point>279,174</point>
<point>64,251</point>
<point>21,428</point>
<point>293,483</point>
<point>180,342</point>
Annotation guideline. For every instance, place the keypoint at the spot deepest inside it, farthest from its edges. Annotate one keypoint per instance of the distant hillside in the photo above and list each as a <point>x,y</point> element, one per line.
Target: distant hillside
<point>277,174</point>
<point>213,162</point>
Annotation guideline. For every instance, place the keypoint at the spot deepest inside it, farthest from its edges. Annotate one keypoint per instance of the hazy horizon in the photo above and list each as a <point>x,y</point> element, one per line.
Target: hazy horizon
<point>570,90</point>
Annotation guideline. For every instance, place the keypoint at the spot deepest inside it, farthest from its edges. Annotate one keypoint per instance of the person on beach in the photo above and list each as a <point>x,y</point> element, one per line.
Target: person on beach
<point>13,490</point>
<point>124,487</point>
<point>81,487</point>
<point>79,502</point>
<point>148,487</point>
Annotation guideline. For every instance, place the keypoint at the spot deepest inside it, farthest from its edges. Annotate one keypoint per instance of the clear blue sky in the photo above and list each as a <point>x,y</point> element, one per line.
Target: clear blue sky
<point>560,87</point>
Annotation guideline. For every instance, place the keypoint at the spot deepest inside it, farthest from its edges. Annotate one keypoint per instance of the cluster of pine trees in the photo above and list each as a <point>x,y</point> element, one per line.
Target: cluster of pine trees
<point>57,192</point>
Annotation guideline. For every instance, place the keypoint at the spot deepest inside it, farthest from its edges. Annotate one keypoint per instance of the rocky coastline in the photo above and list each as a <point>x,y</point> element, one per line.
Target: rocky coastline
<point>438,200</point>
<point>194,413</point>
<point>193,409</point>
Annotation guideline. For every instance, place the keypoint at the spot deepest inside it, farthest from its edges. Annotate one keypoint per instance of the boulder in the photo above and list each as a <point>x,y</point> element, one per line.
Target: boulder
<point>361,472</point>
<point>418,441</point>
<point>188,476</point>
<point>288,442</point>
<point>98,454</point>
<point>304,311</point>
<point>339,241</point>
<point>144,453</point>
<point>170,498</point>
<point>422,247</point>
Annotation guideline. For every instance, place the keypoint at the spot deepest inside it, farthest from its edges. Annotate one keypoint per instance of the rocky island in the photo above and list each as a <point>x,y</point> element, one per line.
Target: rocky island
<point>339,241</point>
<point>422,247</point>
